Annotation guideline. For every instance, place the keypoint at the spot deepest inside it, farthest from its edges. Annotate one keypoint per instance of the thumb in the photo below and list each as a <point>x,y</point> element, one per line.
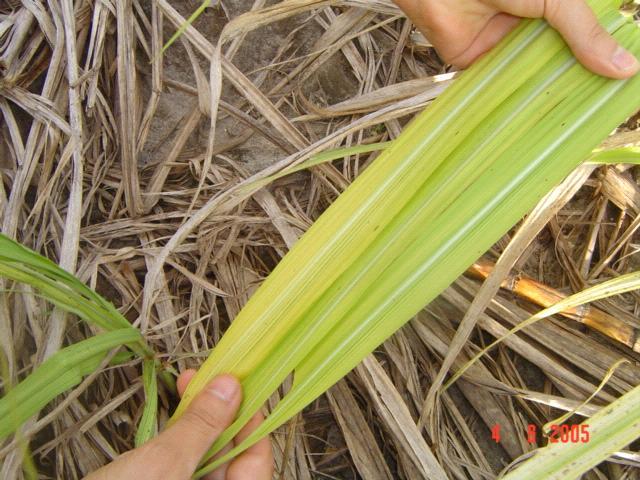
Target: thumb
<point>592,45</point>
<point>208,415</point>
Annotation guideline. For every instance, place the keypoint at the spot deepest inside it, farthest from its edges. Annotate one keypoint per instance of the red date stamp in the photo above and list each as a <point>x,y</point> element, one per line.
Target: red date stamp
<point>557,433</point>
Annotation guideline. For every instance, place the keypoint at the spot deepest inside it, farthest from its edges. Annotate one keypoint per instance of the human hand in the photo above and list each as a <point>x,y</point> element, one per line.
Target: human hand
<point>463,30</point>
<point>176,452</point>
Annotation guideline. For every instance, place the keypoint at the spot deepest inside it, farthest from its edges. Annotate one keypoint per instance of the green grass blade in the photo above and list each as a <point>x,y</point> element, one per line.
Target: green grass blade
<point>617,155</point>
<point>62,371</point>
<point>192,18</point>
<point>12,253</point>
<point>64,290</point>
<point>326,365</point>
<point>511,121</point>
<point>37,270</point>
<point>319,159</point>
<point>62,297</point>
<point>381,304</point>
<point>147,428</point>
<point>59,287</point>
<point>347,344</point>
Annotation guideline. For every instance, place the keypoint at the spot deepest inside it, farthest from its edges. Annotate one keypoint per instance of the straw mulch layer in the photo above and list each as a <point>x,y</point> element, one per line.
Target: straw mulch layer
<point>111,165</point>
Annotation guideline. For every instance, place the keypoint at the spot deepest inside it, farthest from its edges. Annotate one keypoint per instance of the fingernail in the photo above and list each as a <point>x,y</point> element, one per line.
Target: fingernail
<point>224,387</point>
<point>623,60</point>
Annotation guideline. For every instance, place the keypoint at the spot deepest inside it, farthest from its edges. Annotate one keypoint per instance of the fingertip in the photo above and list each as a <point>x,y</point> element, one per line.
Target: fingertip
<point>625,62</point>
<point>611,61</point>
<point>594,47</point>
<point>255,463</point>
<point>207,416</point>
<point>258,458</point>
<point>183,380</point>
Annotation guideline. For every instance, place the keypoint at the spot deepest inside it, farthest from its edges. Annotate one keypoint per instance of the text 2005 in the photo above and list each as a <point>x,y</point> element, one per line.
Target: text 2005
<point>569,434</point>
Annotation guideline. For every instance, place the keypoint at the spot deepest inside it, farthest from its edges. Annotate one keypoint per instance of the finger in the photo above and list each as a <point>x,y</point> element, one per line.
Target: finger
<point>220,473</point>
<point>592,45</point>
<point>494,31</point>
<point>181,447</point>
<point>183,380</point>
<point>452,27</point>
<point>256,462</point>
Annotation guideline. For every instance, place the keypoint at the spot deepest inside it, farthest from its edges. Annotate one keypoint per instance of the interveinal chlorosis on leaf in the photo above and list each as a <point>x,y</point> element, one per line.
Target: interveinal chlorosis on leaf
<point>459,177</point>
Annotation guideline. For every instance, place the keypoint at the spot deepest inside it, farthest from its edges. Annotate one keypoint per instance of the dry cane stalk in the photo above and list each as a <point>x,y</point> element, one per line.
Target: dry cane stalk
<point>545,296</point>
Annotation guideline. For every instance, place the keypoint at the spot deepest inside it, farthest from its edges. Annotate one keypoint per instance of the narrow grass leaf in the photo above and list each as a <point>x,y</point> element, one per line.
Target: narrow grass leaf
<point>59,373</point>
<point>58,286</point>
<point>616,156</point>
<point>147,428</point>
<point>319,159</point>
<point>560,420</point>
<point>62,371</point>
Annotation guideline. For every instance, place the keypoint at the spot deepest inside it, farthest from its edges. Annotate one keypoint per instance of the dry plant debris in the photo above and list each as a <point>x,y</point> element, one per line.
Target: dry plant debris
<point>109,160</point>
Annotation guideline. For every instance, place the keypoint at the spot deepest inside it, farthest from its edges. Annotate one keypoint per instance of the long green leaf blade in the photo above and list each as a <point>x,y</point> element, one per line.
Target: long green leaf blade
<point>147,428</point>
<point>62,371</point>
<point>26,266</point>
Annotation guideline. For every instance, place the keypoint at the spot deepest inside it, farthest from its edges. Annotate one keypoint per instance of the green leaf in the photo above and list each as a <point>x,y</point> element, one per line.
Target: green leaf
<point>617,155</point>
<point>147,428</point>
<point>192,18</point>
<point>62,371</point>
<point>59,373</point>
<point>58,286</point>
<point>319,159</point>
